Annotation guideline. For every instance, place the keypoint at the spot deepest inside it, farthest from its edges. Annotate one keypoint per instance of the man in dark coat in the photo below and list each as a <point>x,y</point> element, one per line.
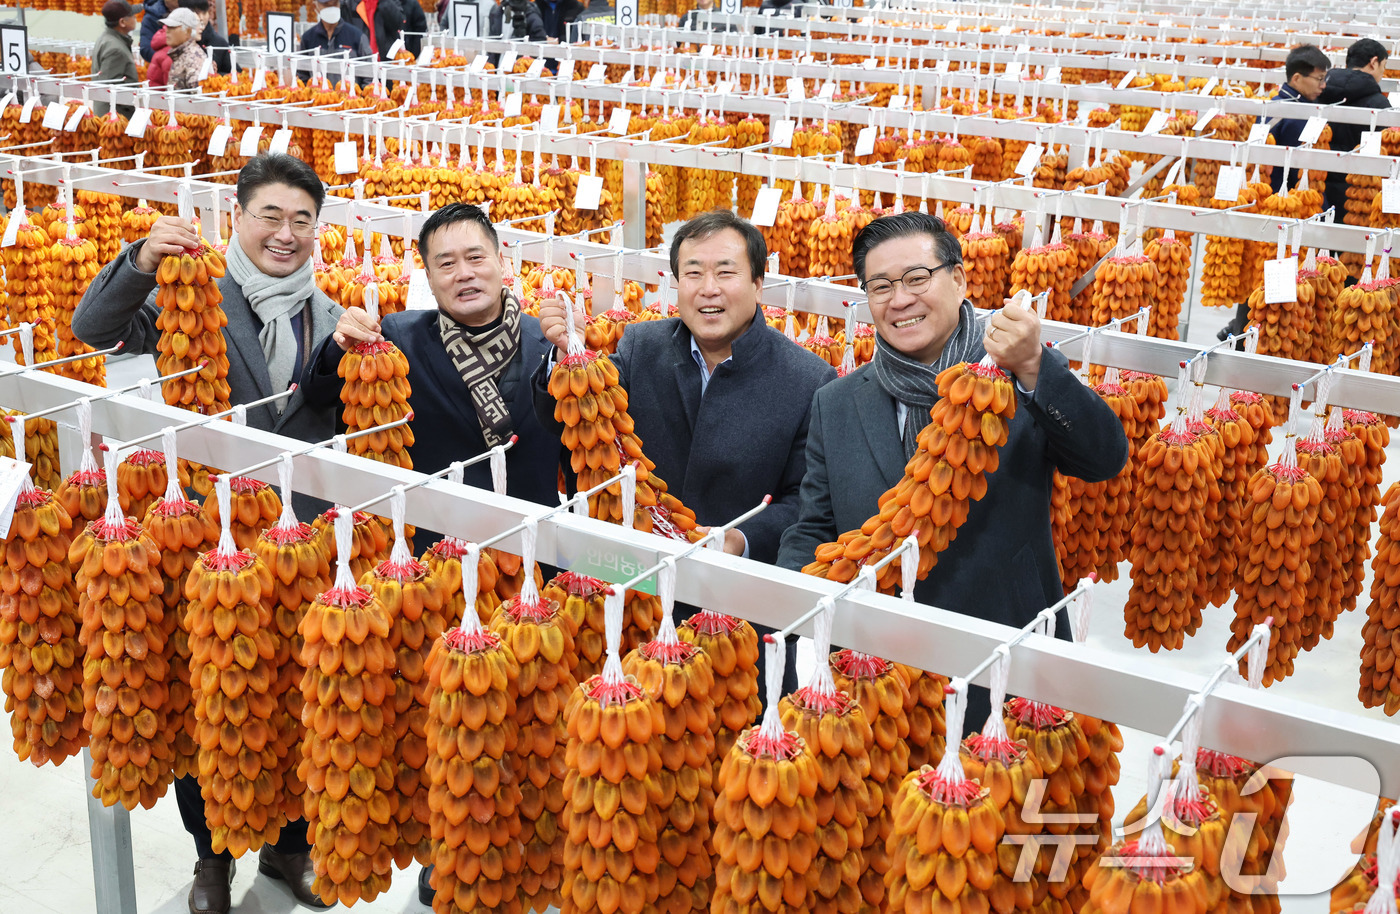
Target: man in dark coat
<point>112,60</point>
<point>471,361</point>
<point>415,26</point>
<point>1002,565</point>
<point>380,20</point>
<point>276,316</point>
<point>720,399</point>
<point>1306,72</point>
<point>1355,87</point>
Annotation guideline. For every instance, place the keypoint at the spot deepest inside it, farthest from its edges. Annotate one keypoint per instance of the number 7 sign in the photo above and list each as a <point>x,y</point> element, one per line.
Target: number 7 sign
<point>14,50</point>
<point>464,21</point>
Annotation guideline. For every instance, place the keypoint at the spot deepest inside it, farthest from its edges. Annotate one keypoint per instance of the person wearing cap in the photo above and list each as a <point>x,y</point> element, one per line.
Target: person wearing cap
<point>112,57</point>
<point>179,60</point>
<point>332,35</point>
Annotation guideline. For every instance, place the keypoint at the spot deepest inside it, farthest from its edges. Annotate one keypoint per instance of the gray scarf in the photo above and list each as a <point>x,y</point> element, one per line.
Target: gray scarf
<point>915,384</point>
<point>275,300</point>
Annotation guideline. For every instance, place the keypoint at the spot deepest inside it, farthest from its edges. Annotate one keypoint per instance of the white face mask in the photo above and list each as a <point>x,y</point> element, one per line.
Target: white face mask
<point>330,15</point>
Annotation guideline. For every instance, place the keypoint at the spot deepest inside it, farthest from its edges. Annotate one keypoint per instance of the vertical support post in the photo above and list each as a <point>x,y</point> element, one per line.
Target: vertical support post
<point>634,204</point>
<point>109,828</point>
<point>1195,283</point>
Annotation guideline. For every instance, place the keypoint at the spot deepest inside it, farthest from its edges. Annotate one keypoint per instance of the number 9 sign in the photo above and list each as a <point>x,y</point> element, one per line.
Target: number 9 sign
<point>14,50</point>
<point>280,32</point>
<point>626,12</point>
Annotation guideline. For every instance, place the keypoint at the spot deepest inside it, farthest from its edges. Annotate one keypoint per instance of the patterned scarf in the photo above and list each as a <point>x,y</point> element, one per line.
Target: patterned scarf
<point>915,384</point>
<point>480,359</point>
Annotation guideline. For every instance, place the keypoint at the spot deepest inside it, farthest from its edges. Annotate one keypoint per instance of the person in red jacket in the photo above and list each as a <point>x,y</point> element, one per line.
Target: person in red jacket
<point>176,44</point>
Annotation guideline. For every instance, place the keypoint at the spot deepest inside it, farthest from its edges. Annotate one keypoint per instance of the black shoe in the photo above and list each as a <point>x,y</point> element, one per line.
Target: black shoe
<point>295,870</point>
<point>425,886</point>
<point>212,878</point>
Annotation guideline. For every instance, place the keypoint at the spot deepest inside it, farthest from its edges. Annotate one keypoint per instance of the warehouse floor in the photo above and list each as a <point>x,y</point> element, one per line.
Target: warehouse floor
<point>46,854</point>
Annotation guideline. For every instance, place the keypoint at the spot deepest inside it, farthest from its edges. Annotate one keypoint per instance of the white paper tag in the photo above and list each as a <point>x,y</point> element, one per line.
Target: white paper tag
<point>206,69</point>
<point>1155,123</point>
<point>248,143</point>
<point>1390,195</point>
<point>898,102</point>
<point>1210,85</point>
<point>827,91</point>
<point>597,73</point>
<point>218,140</point>
<point>75,119</point>
<point>536,69</point>
<point>782,133</point>
<point>1052,76</point>
<point>1281,281</point>
<point>140,120</point>
<point>590,192</point>
<point>796,90</point>
<point>1029,159</point>
<point>807,60</point>
<point>1257,133</point>
<point>566,70</point>
<point>27,111</point>
<point>619,121</point>
<point>707,50</point>
<point>281,141</point>
<point>871,63</point>
<point>507,62</point>
<point>765,206</point>
<point>1206,118</point>
<point>512,106</point>
<point>1013,70</point>
<point>425,56</point>
<point>12,228</point>
<point>942,65</point>
<point>12,475</point>
<point>420,294</point>
<point>395,48</point>
<point>259,79</point>
<point>1393,98</point>
<point>724,87</point>
<point>1229,183</point>
<point>549,118</point>
<point>7,101</point>
<point>865,141</point>
<point>1312,130</point>
<point>1127,80</point>
<point>658,80</point>
<point>55,116</point>
<point>1003,30</point>
<point>347,157</point>
<point>1370,143</point>
<point>478,64</point>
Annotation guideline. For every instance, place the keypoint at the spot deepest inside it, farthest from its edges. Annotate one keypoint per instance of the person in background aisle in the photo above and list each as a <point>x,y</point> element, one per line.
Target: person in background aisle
<point>380,20</point>
<point>692,20</point>
<point>179,59</point>
<point>1306,71</point>
<point>1357,86</point>
<point>415,26</point>
<point>719,398</point>
<point>1002,566</point>
<point>112,57</point>
<point>276,317</point>
<point>153,11</point>
<point>597,9</point>
<point>557,15</point>
<point>330,35</point>
<point>214,42</point>
<point>471,360</point>
<point>515,19</point>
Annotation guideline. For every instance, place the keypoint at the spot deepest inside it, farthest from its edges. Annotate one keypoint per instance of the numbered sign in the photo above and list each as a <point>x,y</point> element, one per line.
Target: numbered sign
<point>281,33</point>
<point>14,50</point>
<point>465,23</point>
<point>626,12</point>
<point>730,7</point>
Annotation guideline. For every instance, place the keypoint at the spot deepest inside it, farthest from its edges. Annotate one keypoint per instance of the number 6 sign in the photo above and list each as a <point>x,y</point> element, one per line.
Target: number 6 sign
<point>14,50</point>
<point>280,33</point>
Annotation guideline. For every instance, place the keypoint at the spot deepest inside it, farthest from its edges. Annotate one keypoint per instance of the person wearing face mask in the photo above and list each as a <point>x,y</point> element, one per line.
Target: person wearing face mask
<point>1002,565</point>
<point>332,36</point>
<point>276,317</point>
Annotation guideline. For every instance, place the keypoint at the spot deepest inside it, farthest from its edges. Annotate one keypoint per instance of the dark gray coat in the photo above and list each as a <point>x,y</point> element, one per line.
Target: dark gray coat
<point>120,305</point>
<point>1002,565</point>
<point>745,439</point>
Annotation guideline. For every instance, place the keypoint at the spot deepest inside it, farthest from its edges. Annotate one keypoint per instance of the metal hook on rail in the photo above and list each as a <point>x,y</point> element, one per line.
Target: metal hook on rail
<point>867,575</point>
<point>203,420</point>
<point>145,382</point>
<point>45,366</point>
<point>564,505</point>
<point>716,534</point>
<point>455,467</point>
<point>1045,619</point>
<point>336,441</point>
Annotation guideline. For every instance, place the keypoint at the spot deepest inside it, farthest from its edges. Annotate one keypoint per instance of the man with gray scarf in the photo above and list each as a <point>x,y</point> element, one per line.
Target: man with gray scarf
<point>1002,565</point>
<point>276,317</point>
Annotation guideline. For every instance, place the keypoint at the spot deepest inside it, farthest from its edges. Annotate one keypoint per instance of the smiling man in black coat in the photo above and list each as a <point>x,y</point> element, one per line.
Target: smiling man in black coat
<point>720,399</point>
<point>1355,86</point>
<point>469,361</point>
<point>1002,566</point>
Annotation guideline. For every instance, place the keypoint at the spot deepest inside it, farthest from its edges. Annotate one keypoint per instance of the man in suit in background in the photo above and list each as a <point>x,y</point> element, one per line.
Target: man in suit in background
<point>1002,566</point>
<point>1306,71</point>
<point>720,399</point>
<point>276,316</point>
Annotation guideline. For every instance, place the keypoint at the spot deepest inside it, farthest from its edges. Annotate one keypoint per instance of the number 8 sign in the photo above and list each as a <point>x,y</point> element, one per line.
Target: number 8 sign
<point>14,50</point>
<point>626,12</point>
<point>280,32</point>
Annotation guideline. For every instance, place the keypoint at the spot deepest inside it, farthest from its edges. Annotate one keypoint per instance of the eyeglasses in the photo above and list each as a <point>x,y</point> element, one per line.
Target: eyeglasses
<point>300,227</point>
<point>1321,79</point>
<point>914,282</point>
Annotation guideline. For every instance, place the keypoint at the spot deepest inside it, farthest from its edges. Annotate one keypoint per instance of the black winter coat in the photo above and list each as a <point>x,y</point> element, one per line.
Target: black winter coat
<point>388,23</point>
<point>1353,89</point>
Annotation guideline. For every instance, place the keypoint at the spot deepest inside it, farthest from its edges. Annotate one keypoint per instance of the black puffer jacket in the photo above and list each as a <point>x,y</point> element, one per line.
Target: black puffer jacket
<point>1354,89</point>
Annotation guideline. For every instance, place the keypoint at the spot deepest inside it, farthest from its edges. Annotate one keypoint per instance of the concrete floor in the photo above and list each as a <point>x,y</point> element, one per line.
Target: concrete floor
<point>45,851</point>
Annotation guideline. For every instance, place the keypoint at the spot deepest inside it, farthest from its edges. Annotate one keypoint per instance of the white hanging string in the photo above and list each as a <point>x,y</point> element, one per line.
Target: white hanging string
<point>822,681</point>
<point>89,463</point>
<point>995,727</point>
<point>612,633</point>
<point>1080,613</point>
<point>471,583</point>
<point>529,593</point>
<point>114,518</point>
<point>1382,900</point>
<point>1153,843</point>
<point>570,325</point>
<point>909,567</point>
<point>399,556</point>
<point>629,496</point>
<point>288,519</point>
<point>772,727</point>
<point>174,494</point>
<point>226,546</point>
<point>344,545</point>
<point>497,462</point>
<point>666,593</point>
<point>950,769</point>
